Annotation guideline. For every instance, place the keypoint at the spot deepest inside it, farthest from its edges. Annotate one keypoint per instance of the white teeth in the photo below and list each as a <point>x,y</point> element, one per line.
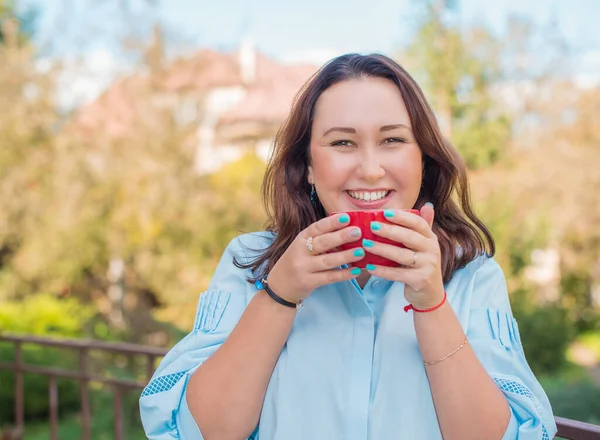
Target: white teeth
<point>368,196</point>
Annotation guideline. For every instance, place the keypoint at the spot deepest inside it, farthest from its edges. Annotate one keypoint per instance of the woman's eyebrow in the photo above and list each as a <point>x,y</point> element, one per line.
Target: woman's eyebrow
<point>353,131</point>
<point>342,129</point>
<point>393,127</point>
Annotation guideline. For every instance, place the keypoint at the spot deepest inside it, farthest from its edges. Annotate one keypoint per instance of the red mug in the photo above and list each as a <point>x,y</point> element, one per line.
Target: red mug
<point>363,219</point>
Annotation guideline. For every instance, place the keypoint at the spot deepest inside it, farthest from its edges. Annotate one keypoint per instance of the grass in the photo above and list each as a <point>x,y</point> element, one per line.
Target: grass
<point>102,420</point>
<point>70,429</point>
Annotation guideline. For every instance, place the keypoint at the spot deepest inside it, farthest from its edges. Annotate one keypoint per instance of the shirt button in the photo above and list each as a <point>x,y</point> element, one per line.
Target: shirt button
<point>375,283</point>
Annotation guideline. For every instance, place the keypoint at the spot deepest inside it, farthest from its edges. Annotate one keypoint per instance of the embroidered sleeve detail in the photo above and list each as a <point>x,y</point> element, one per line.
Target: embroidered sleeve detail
<point>504,328</point>
<point>210,310</point>
<point>510,386</point>
<point>162,383</point>
<point>545,435</point>
<point>517,336</point>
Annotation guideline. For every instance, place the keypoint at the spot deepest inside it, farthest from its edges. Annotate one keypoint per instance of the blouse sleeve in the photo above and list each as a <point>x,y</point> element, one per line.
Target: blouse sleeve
<point>163,406</point>
<point>494,336</point>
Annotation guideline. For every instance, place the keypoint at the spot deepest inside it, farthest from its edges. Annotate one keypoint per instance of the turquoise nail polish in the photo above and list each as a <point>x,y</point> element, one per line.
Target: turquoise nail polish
<point>360,252</point>
<point>355,271</point>
<point>375,226</point>
<point>370,267</point>
<point>345,218</point>
<point>388,213</point>
<point>430,204</point>
<point>367,243</point>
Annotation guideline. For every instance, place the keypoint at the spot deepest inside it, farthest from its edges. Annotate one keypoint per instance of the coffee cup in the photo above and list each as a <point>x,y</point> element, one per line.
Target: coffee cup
<point>363,219</point>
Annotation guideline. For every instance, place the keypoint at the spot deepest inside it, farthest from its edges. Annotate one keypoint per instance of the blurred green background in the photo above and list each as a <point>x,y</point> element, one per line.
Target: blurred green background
<point>125,171</point>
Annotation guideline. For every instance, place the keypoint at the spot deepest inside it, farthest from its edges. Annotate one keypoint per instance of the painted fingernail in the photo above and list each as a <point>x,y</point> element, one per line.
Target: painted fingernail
<point>355,271</point>
<point>370,267</point>
<point>355,232</point>
<point>367,243</point>
<point>375,226</point>
<point>345,218</point>
<point>360,252</point>
<point>430,204</point>
<point>388,213</point>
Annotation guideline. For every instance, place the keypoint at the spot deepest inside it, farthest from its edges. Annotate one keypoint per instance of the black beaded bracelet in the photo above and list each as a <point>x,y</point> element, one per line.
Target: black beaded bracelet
<point>263,285</point>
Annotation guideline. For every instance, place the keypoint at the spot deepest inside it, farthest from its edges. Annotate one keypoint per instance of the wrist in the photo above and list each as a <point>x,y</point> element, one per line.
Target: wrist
<point>263,298</point>
<point>428,307</point>
<point>282,286</point>
<point>274,293</point>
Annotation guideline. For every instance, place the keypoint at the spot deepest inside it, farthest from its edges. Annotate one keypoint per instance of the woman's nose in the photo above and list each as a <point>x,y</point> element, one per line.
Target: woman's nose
<point>371,166</point>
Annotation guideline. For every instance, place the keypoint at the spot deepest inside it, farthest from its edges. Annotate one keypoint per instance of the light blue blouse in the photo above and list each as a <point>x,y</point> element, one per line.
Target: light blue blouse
<point>351,368</point>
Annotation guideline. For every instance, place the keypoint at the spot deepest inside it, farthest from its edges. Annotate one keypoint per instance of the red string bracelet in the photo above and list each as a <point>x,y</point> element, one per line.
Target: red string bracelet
<point>410,307</point>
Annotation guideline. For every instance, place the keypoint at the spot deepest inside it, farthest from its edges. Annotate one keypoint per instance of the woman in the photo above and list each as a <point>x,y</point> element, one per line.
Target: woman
<point>351,363</point>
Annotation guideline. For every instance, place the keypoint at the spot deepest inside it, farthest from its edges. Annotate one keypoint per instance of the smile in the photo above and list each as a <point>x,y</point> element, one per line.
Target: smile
<point>368,196</point>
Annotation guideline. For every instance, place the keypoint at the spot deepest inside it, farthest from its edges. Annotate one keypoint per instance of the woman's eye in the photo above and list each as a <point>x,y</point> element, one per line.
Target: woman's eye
<point>394,140</point>
<point>342,144</point>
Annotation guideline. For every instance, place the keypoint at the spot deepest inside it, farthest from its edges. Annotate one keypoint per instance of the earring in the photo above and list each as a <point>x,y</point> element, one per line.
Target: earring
<point>313,194</point>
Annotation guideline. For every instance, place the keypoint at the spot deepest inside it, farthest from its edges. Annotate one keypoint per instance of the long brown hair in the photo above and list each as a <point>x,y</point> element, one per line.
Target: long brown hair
<point>286,191</point>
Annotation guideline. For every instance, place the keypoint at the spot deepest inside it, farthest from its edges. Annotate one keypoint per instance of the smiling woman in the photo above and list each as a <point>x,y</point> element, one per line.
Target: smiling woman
<point>293,341</point>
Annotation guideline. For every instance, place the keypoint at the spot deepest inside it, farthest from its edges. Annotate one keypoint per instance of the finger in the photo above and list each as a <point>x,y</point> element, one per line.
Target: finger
<point>401,235</point>
<point>403,256</point>
<point>409,220</point>
<point>428,213</point>
<point>397,274</point>
<point>331,240</point>
<point>327,224</point>
<point>334,260</point>
<point>336,275</point>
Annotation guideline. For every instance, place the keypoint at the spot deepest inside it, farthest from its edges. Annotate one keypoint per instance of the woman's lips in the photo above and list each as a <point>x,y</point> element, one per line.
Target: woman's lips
<point>369,204</point>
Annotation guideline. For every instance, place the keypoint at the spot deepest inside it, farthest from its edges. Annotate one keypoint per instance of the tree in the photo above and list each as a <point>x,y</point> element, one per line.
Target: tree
<point>121,221</point>
<point>523,130</point>
<point>458,70</point>
<point>16,26</point>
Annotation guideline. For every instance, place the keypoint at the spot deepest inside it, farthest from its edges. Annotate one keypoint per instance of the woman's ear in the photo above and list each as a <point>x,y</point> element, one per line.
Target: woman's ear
<point>311,176</point>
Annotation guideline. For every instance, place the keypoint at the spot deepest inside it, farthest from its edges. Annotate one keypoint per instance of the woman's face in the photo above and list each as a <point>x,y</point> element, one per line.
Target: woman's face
<point>363,151</point>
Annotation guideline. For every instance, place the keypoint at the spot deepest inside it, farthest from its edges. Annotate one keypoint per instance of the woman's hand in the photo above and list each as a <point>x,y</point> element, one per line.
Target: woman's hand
<point>420,260</point>
<point>300,271</point>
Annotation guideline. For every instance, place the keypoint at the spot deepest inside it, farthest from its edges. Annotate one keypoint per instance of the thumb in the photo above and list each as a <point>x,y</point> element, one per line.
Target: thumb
<point>428,213</point>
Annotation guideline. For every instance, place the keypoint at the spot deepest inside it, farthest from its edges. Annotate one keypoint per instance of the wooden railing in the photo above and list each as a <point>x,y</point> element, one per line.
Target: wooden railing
<point>567,429</point>
<point>82,374</point>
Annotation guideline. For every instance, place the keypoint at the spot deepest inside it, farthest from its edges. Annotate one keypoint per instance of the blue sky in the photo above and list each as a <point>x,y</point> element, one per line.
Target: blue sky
<point>291,29</point>
<point>282,28</point>
<point>306,30</point>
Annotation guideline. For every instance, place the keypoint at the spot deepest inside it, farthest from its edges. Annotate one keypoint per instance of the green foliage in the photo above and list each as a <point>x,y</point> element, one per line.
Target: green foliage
<point>102,422</point>
<point>546,329</point>
<point>546,333</point>
<point>574,399</point>
<point>26,21</point>
<point>44,314</point>
<point>149,209</point>
<point>35,386</point>
<point>581,251</point>
<point>482,141</point>
<point>516,229</point>
<point>41,314</point>
<point>590,341</point>
<point>7,8</point>
<point>458,70</point>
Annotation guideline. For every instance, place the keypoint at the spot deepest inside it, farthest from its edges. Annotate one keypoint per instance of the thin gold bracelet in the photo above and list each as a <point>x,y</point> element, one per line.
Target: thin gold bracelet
<point>452,353</point>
